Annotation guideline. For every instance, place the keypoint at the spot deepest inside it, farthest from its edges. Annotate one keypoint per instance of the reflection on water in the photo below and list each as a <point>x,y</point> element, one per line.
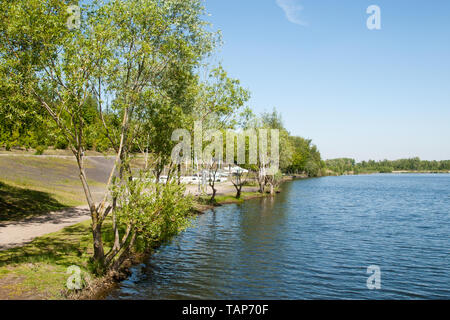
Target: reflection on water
<point>315,240</point>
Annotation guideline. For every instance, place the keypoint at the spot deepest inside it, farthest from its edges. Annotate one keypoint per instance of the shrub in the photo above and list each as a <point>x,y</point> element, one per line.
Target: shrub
<point>386,170</point>
<point>40,150</point>
<point>155,211</point>
<point>61,143</point>
<point>102,145</point>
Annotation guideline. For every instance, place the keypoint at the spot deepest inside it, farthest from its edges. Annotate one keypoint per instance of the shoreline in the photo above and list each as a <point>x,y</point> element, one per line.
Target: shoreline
<point>41,259</point>
<point>100,287</point>
<point>393,172</point>
<point>104,285</point>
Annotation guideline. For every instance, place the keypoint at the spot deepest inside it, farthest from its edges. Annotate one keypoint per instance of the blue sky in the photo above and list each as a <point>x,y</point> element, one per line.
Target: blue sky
<point>357,93</point>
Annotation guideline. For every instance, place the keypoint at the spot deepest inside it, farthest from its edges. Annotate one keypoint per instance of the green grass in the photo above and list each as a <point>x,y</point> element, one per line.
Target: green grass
<point>66,247</point>
<point>32,186</point>
<point>4,272</point>
<point>17,202</point>
<point>39,268</point>
<point>53,175</point>
<point>231,198</point>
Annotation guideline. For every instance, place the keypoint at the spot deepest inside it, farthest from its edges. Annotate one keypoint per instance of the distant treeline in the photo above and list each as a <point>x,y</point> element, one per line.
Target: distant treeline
<point>347,165</point>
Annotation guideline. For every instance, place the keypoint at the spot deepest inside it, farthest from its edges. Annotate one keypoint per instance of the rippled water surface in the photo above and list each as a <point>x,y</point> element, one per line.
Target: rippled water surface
<point>315,240</point>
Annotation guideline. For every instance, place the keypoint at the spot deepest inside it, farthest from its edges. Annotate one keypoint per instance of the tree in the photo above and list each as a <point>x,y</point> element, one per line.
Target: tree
<point>212,169</point>
<point>157,216</point>
<point>273,125</point>
<point>220,100</point>
<point>274,181</point>
<point>123,50</point>
<point>238,179</point>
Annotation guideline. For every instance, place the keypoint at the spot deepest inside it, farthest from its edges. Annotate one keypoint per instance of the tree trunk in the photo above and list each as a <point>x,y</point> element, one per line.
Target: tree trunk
<point>158,175</point>
<point>99,254</point>
<point>213,194</point>
<point>261,181</point>
<point>261,187</point>
<point>125,253</point>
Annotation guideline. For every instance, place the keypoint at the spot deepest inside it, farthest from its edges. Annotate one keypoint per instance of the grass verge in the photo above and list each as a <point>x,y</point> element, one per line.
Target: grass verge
<point>230,198</point>
<point>38,269</point>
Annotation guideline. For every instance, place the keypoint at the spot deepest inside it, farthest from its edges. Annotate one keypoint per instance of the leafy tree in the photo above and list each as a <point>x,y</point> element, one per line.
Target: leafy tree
<point>123,51</point>
<point>238,180</point>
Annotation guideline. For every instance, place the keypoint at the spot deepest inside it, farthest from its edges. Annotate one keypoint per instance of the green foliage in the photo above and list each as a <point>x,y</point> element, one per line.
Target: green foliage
<point>220,99</point>
<point>123,81</point>
<point>297,155</point>
<point>40,150</point>
<point>384,169</point>
<point>345,165</point>
<point>61,143</point>
<point>306,158</point>
<point>154,211</point>
<point>278,177</point>
<point>341,165</point>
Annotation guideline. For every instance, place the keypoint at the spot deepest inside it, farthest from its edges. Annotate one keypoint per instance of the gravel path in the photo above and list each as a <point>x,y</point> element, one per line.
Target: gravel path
<point>18,233</point>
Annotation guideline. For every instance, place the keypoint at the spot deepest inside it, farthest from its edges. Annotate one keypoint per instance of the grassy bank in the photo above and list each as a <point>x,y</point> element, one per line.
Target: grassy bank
<point>31,186</point>
<point>231,198</point>
<point>38,269</point>
<point>17,202</point>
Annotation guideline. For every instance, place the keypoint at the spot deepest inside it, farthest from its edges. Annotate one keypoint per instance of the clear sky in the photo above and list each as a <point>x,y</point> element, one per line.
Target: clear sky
<point>359,93</point>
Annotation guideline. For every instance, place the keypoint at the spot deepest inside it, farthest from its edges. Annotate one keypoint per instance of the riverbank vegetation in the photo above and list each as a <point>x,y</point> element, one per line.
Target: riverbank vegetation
<point>38,270</point>
<point>120,83</point>
<point>350,166</point>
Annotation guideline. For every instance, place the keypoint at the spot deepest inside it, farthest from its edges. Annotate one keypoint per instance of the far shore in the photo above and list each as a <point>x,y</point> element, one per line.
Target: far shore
<point>421,171</point>
<point>392,172</point>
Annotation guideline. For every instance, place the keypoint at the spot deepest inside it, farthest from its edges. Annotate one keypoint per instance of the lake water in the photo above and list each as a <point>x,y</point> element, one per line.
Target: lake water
<point>315,240</point>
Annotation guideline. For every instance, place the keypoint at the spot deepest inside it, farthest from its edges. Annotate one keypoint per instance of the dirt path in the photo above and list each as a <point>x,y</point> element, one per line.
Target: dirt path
<point>18,233</point>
